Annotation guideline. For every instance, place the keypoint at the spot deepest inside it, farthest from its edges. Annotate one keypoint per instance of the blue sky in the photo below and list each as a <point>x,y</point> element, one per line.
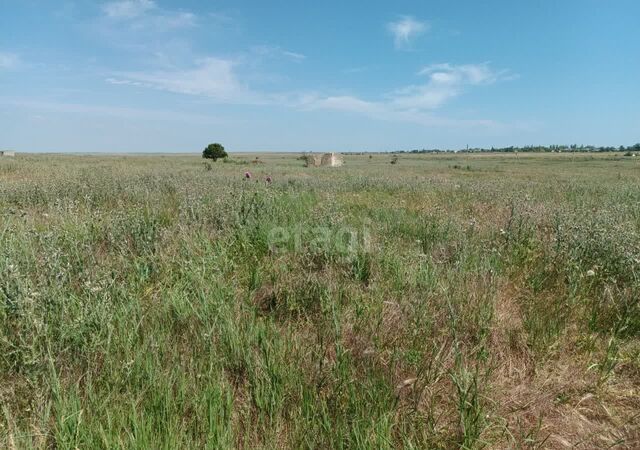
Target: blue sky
<point>167,76</point>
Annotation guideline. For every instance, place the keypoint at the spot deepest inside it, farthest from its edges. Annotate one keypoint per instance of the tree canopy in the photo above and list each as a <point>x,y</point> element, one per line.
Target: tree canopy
<point>214,151</point>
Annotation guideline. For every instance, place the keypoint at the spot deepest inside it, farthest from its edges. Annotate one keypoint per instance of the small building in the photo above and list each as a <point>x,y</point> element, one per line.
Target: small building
<point>7,153</point>
<point>331,160</point>
<point>328,159</point>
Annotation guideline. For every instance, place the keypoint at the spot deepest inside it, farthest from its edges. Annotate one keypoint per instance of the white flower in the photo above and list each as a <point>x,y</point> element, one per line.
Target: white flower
<point>591,273</point>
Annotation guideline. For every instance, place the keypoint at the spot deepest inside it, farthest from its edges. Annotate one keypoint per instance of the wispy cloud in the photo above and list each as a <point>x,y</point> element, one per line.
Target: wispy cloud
<point>210,77</point>
<point>380,110</point>
<point>146,14</point>
<point>277,51</point>
<point>471,73</point>
<point>294,55</point>
<point>128,9</point>
<point>178,19</point>
<point>416,103</point>
<point>405,30</point>
<point>9,61</point>
<point>444,82</point>
<point>344,103</point>
<point>218,79</point>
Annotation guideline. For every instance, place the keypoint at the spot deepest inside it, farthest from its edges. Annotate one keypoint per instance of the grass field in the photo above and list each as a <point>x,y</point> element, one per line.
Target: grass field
<point>446,301</point>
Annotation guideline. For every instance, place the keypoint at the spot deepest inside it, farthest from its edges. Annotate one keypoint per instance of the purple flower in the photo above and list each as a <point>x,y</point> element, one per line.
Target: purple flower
<point>268,179</point>
<point>247,175</point>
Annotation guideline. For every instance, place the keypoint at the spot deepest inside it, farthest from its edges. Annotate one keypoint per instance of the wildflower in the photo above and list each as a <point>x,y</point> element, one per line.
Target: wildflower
<point>268,179</point>
<point>247,175</point>
<point>591,273</point>
<point>502,232</point>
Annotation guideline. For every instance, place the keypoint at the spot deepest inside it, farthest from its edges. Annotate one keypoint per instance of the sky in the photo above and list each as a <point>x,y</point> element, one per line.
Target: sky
<point>169,76</point>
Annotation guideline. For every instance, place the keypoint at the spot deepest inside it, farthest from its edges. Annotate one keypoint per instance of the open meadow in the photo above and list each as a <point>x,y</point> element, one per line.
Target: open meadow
<point>446,301</point>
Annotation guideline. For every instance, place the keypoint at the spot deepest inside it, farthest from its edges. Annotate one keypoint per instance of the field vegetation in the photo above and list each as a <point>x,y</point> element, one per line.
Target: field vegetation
<point>442,301</point>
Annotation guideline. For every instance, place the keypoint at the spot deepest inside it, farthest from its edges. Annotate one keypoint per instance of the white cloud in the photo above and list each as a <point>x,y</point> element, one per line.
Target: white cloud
<point>445,81</point>
<point>405,30</point>
<point>344,103</point>
<point>128,9</point>
<point>415,103</point>
<point>387,112</point>
<point>211,77</point>
<point>294,55</point>
<point>276,51</point>
<point>123,82</point>
<point>178,19</point>
<point>147,15</point>
<point>216,78</point>
<point>9,61</point>
<point>469,73</point>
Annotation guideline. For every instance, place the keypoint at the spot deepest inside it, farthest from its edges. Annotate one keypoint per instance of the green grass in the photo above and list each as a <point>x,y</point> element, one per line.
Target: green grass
<point>446,301</point>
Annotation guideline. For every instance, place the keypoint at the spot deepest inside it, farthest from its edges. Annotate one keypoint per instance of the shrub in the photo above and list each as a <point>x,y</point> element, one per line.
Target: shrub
<point>214,151</point>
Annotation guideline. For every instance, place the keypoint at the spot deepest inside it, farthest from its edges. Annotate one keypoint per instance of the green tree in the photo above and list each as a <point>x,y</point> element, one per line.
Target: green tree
<point>214,151</point>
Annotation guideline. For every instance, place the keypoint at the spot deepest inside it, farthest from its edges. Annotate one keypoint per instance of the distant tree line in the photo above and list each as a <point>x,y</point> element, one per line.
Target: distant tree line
<point>534,149</point>
<point>526,149</point>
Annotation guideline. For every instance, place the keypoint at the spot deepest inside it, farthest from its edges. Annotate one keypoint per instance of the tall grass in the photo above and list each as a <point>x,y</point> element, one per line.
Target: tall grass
<point>144,305</point>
